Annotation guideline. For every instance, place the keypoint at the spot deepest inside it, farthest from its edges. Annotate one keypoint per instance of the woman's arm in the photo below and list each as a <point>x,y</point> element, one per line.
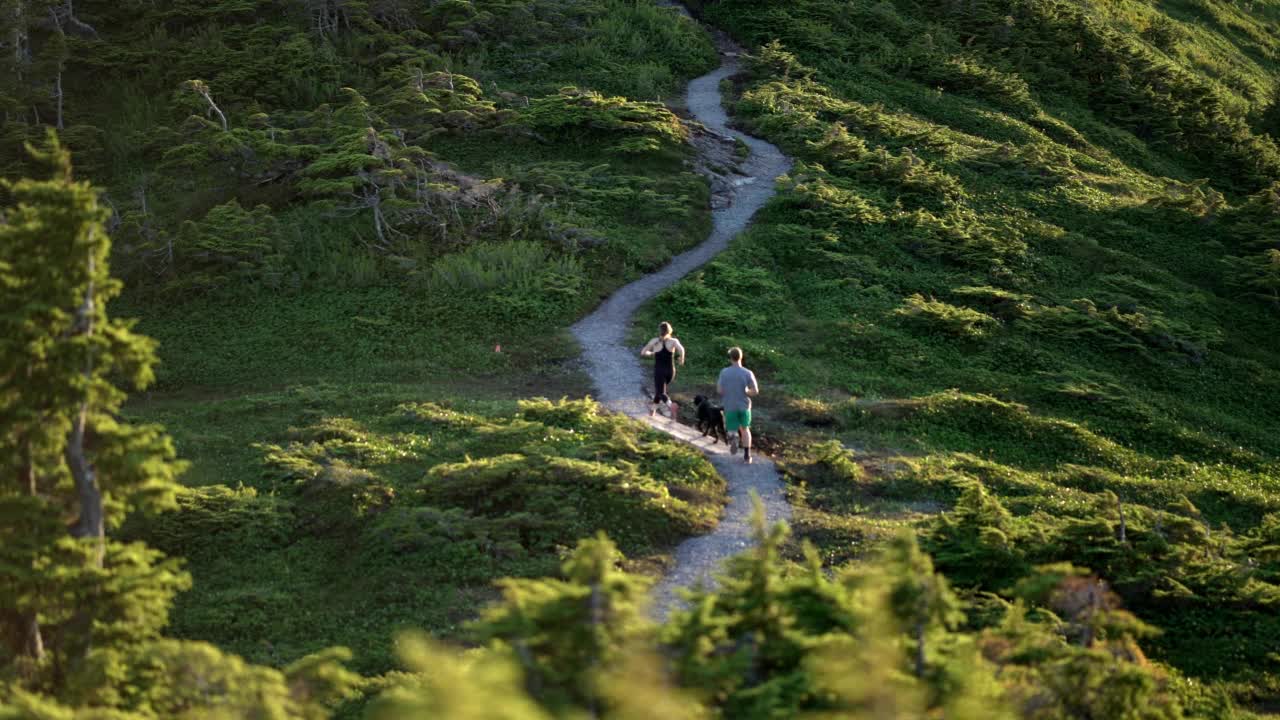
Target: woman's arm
<point>648,348</point>
<point>680,351</point>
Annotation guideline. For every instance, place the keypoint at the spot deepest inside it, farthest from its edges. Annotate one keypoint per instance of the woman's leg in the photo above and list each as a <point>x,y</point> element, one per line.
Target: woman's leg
<point>660,382</point>
<point>671,406</point>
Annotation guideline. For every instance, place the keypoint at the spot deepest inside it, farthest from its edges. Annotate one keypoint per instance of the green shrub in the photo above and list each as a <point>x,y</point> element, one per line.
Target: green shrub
<point>210,519</point>
<point>516,280</point>
<point>950,319</point>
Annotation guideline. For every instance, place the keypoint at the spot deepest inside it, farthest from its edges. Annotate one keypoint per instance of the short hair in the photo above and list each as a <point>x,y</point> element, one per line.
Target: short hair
<point>664,329</point>
<point>735,354</point>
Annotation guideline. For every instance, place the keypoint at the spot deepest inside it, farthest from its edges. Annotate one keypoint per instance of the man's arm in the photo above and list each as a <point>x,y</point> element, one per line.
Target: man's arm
<point>753,388</point>
<point>719,387</point>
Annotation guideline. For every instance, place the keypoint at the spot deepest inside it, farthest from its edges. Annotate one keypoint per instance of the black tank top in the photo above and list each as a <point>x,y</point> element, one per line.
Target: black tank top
<point>664,359</point>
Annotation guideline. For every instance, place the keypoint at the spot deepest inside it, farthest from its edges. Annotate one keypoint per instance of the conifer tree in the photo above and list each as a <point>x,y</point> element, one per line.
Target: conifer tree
<point>565,633</point>
<point>976,542</point>
<point>81,613</point>
<point>745,643</point>
<point>919,598</point>
<point>364,168</point>
<point>72,470</point>
<point>899,594</point>
<point>443,684</point>
<point>1083,661</point>
<point>1256,275</point>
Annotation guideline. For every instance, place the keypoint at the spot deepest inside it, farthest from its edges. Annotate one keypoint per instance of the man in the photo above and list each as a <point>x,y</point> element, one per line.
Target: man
<point>737,385</point>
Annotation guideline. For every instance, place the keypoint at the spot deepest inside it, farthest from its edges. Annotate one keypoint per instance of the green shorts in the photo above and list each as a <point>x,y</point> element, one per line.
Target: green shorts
<point>734,419</point>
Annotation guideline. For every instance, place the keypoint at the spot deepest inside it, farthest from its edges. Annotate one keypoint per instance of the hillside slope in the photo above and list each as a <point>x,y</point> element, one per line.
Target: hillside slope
<point>1019,294</point>
<point>1029,247</point>
<point>359,232</point>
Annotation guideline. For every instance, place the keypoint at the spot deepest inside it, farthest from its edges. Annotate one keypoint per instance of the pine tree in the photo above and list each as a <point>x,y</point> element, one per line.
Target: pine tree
<point>364,168</point>
<point>81,613</point>
<point>565,633</point>
<point>1257,275</point>
<point>745,643</point>
<point>1269,119</point>
<point>977,541</point>
<point>442,684</point>
<point>900,595</point>
<point>71,468</point>
<point>1082,662</point>
<point>919,598</point>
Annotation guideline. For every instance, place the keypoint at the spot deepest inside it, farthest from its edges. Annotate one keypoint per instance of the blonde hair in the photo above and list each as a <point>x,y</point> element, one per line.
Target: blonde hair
<point>735,354</point>
<point>664,330</point>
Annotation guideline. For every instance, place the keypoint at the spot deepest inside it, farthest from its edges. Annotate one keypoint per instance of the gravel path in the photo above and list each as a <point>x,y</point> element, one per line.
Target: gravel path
<point>616,371</point>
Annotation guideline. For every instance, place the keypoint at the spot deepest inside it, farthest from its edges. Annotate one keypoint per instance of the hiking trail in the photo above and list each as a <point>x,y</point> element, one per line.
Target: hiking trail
<point>615,368</point>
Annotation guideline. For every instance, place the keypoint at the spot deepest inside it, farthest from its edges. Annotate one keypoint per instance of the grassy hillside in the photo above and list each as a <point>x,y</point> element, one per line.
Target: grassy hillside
<point>1019,294</point>
<point>341,185</point>
<point>1008,258</point>
<point>358,232</point>
<point>399,515</point>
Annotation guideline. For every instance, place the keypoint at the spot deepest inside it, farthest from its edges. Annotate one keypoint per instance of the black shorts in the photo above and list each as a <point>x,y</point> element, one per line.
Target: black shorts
<point>662,377</point>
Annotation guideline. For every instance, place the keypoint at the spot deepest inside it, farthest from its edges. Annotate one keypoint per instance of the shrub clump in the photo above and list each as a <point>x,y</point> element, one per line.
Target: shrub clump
<point>950,319</point>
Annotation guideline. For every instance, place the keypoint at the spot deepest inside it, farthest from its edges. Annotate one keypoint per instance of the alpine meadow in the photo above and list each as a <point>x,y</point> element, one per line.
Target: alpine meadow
<point>320,323</point>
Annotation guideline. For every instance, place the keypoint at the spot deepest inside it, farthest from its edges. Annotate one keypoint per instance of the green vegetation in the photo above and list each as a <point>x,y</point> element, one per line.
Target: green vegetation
<point>884,639</point>
<point>1014,310</point>
<point>404,517</point>
<point>268,163</point>
<point>82,611</point>
<point>1024,267</point>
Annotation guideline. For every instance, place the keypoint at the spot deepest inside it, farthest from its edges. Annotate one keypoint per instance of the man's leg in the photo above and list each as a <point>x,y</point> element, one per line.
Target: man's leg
<point>746,436</point>
<point>732,423</point>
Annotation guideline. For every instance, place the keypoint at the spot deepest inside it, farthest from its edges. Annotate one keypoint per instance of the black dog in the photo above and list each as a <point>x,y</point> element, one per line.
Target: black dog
<point>710,419</point>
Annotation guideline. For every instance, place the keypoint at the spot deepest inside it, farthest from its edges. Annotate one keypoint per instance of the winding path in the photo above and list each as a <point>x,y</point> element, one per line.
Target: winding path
<point>616,372</point>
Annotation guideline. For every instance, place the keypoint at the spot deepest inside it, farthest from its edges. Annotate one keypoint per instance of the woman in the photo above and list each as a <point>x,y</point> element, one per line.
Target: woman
<point>663,349</point>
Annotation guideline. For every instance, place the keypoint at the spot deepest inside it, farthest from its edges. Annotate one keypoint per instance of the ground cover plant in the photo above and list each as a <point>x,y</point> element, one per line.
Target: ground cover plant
<point>362,526</point>
<point>351,528</point>
<point>320,210</point>
<point>1014,312</point>
<point>1015,274</point>
<point>410,160</point>
<point>884,638</point>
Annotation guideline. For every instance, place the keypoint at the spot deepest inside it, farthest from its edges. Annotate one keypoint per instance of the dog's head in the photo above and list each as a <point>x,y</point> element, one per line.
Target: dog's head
<point>698,400</point>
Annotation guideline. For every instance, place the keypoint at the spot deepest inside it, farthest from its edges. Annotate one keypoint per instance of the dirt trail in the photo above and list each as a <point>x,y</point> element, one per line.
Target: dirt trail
<point>615,368</point>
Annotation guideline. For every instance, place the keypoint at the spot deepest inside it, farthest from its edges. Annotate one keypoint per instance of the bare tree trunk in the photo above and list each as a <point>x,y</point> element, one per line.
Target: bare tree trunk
<point>1123,530</point>
<point>69,15</point>
<point>377,226</point>
<point>598,617</point>
<point>17,34</point>
<point>216,110</point>
<point>919,633</point>
<point>32,638</point>
<point>58,94</point>
<point>203,90</point>
<point>91,523</point>
<point>57,23</point>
